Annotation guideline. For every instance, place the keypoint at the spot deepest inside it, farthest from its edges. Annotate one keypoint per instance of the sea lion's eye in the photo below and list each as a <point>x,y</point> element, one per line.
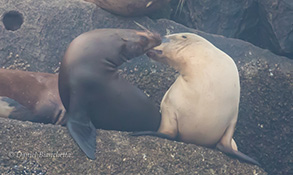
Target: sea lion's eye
<point>183,36</point>
<point>144,39</point>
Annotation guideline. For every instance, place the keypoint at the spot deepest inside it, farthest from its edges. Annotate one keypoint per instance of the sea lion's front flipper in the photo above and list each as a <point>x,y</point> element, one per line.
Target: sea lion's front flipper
<point>83,132</point>
<point>9,108</point>
<point>152,133</point>
<point>168,128</point>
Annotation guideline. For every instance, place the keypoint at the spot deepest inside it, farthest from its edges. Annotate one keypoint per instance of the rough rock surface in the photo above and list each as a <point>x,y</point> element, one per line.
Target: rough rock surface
<point>214,16</point>
<point>265,23</point>
<point>131,8</point>
<point>276,18</point>
<point>264,129</point>
<point>47,149</point>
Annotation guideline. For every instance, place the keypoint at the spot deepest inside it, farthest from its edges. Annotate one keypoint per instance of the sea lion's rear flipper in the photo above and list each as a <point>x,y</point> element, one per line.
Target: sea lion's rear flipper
<point>237,154</point>
<point>152,133</point>
<point>10,108</point>
<point>228,145</point>
<point>83,132</point>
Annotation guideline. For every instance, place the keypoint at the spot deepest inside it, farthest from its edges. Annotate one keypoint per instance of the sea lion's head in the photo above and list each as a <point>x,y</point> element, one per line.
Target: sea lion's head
<point>136,43</point>
<point>175,49</point>
<point>109,46</point>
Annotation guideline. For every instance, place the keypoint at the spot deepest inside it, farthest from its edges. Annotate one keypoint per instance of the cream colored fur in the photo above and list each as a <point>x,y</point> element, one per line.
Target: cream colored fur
<point>201,107</point>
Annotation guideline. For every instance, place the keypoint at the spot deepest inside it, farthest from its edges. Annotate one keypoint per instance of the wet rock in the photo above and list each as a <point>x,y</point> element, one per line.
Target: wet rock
<point>264,130</point>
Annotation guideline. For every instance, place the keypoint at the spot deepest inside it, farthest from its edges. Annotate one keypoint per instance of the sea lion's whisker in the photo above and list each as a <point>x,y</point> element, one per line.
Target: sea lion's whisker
<point>141,26</point>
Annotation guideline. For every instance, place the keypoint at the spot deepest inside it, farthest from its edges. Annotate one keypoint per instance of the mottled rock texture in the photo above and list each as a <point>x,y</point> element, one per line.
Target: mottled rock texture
<point>265,23</point>
<point>47,149</point>
<point>264,129</point>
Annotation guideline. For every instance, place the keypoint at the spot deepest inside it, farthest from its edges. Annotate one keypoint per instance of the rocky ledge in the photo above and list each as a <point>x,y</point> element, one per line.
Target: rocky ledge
<point>264,130</point>
<point>32,148</point>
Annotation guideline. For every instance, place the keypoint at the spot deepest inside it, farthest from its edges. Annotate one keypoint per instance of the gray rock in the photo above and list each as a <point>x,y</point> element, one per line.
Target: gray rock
<point>277,26</point>
<point>48,27</point>
<point>224,17</point>
<point>28,148</point>
<point>264,130</point>
<point>267,24</point>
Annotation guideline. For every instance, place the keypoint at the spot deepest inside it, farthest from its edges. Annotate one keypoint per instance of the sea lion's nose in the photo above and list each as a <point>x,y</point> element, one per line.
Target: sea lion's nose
<point>165,40</point>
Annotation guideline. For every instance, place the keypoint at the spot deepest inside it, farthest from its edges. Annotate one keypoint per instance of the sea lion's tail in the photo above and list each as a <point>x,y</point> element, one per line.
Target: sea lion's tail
<point>84,134</point>
<point>237,154</point>
<point>152,133</point>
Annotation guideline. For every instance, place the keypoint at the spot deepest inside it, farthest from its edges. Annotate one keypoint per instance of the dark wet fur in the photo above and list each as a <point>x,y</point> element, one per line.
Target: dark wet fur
<point>93,93</point>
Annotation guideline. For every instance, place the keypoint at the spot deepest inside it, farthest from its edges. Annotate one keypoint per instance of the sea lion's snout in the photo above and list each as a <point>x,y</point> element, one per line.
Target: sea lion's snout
<point>157,52</point>
<point>165,40</point>
<point>149,39</point>
<point>157,39</point>
<point>136,43</point>
<point>139,42</point>
<point>153,53</point>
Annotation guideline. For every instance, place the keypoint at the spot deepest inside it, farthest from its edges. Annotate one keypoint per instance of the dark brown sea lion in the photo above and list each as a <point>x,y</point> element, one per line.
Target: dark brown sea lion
<point>30,96</point>
<point>130,7</point>
<point>93,93</point>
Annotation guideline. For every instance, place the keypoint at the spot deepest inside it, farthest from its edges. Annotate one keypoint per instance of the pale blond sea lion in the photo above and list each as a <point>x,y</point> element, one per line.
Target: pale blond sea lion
<point>201,107</point>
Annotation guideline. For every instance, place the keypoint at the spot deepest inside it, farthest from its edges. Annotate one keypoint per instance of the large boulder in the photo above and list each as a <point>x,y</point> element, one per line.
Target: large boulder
<point>267,24</point>
<point>264,129</point>
<point>276,31</point>
<point>224,17</point>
